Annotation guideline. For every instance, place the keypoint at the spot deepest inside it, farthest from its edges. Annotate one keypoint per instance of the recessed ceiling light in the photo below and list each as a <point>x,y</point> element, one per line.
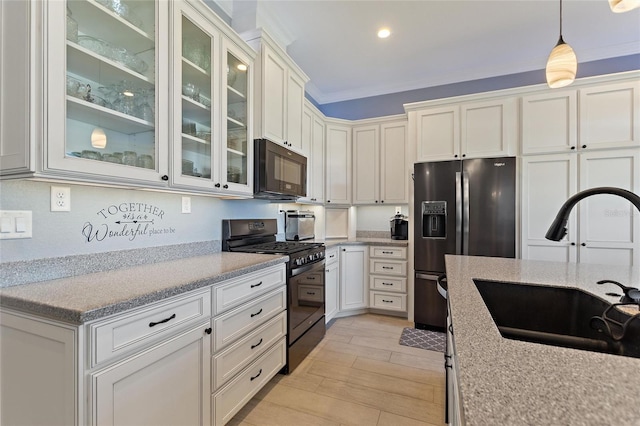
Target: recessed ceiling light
<point>384,33</point>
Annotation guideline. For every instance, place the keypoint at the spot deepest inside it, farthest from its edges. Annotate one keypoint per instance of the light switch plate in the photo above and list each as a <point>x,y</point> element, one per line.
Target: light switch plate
<point>16,224</point>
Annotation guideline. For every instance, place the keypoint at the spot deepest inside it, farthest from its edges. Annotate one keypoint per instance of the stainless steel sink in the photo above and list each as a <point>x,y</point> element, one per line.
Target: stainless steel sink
<point>556,316</point>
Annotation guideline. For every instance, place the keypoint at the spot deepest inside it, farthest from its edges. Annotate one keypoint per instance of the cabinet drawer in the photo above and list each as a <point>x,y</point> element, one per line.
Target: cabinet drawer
<point>388,252</point>
<point>229,362</point>
<point>232,325</point>
<point>314,278</point>
<point>141,327</point>
<point>388,283</point>
<point>311,293</point>
<point>331,256</point>
<point>232,397</point>
<point>388,301</point>
<point>388,267</point>
<point>236,291</point>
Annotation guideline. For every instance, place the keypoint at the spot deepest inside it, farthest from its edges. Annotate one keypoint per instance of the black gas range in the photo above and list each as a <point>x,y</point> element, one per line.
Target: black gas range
<point>305,280</point>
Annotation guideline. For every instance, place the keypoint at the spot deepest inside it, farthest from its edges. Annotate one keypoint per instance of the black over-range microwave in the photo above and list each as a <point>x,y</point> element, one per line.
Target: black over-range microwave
<point>279,173</point>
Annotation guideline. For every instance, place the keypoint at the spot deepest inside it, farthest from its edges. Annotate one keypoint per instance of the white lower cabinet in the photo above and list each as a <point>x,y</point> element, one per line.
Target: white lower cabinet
<point>166,384</point>
<point>353,277</point>
<point>249,339</point>
<point>152,365</point>
<point>230,399</point>
<point>39,372</point>
<point>332,284</point>
<point>388,278</point>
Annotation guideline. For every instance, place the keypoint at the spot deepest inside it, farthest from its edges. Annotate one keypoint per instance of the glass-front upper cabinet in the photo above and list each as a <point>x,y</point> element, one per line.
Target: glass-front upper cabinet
<point>196,120</point>
<point>106,116</point>
<point>238,156</point>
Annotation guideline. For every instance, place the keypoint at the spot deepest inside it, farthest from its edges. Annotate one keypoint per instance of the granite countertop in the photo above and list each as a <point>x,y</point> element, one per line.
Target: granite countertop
<point>88,297</point>
<point>511,382</point>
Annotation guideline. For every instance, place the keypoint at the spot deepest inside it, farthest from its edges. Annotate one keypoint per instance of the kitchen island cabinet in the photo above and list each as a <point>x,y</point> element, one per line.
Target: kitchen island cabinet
<point>512,382</point>
<point>104,348</point>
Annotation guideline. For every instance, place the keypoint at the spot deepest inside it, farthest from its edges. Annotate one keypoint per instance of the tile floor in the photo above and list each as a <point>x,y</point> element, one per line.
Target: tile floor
<point>358,375</point>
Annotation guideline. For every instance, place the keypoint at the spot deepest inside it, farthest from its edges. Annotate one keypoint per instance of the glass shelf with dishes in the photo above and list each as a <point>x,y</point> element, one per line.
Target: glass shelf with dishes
<point>237,113</point>
<point>196,100</point>
<point>110,82</point>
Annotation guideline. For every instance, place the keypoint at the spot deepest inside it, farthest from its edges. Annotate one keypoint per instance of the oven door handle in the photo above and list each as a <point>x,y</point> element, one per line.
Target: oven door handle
<point>306,268</point>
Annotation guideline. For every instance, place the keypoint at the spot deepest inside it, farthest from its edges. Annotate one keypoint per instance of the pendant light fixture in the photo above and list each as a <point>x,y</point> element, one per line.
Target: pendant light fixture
<point>562,63</point>
<point>619,6</point>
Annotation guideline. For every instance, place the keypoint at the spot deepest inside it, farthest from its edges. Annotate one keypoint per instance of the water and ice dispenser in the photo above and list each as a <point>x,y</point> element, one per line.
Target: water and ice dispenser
<point>434,219</point>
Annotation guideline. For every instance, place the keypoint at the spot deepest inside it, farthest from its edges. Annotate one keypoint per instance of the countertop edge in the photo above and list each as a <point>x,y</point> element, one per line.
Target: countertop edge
<point>38,307</point>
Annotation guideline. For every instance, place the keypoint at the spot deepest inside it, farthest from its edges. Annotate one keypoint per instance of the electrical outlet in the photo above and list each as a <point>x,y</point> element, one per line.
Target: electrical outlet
<point>398,210</point>
<point>60,199</point>
<point>186,204</point>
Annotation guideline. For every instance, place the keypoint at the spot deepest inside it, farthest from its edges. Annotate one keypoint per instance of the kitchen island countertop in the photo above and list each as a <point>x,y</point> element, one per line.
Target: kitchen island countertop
<point>83,298</point>
<point>511,382</point>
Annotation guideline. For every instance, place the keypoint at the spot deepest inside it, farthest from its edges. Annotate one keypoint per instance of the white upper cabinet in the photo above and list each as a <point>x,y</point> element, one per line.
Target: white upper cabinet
<point>126,104</point>
<point>549,122</point>
<point>279,93</point>
<point>338,164</point>
<point>438,133</point>
<point>379,163</point>
<point>105,98</point>
<point>211,86</point>
<point>487,128</point>
<point>588,117</point>
<point>609,115</point>
<point>313,135</point>
<point>366,164</point>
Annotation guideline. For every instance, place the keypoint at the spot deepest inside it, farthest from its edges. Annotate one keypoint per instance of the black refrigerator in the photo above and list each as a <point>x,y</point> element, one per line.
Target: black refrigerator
<point>460,207</point>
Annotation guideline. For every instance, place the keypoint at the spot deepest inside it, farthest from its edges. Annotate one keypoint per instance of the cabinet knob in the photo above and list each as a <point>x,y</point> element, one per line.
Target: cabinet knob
<point>165,177</point>
<point>455,156</point>
<point>376,201</point>
<point>226,186</point>
<point>382,201</point>
<point>583,244</point>
<point>464,155</point>
<point>344,249</point>
<point>217,185</point>
<point>208,330</point>
<point>584,146</point>
<point>573,147</point>
<point>328,201</point>
<point>573,244</point>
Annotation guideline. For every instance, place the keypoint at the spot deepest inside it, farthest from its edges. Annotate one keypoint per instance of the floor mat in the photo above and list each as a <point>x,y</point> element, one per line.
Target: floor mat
<point>423,339</point>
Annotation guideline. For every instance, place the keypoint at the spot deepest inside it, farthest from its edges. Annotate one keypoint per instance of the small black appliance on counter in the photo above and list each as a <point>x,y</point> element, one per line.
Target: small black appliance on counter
<point>399,227</point>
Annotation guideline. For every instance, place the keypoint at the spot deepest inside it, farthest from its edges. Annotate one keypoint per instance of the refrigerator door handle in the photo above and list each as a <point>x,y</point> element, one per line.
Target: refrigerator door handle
<point>432,277</point>
<point>465,213</point>
<point>458,213</point>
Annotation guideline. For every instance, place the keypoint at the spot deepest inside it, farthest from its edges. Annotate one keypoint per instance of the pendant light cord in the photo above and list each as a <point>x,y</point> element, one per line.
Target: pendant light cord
<point>560,18</point>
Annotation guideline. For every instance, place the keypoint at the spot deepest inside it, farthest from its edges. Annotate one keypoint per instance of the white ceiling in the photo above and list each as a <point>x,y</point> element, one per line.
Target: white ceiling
<point>433,42</point>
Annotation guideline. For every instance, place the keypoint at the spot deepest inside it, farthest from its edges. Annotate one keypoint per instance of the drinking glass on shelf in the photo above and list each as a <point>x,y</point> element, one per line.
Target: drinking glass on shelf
<point>130,158</point>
